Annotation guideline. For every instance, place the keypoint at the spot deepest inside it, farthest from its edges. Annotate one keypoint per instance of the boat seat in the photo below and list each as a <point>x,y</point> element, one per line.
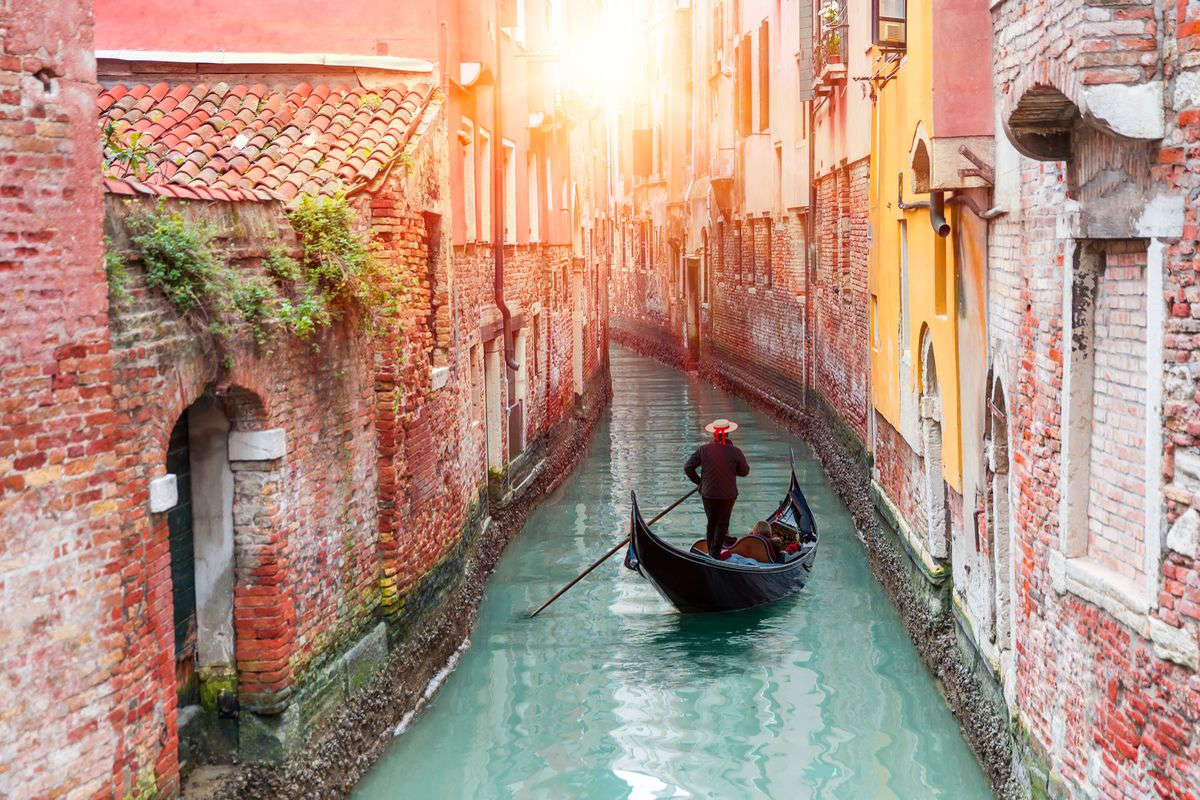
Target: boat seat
<point>749,546</point>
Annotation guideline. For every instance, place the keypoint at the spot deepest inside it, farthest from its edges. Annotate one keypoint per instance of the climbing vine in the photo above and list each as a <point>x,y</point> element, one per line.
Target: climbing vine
<point>336,272</point>
<point>117,275</point>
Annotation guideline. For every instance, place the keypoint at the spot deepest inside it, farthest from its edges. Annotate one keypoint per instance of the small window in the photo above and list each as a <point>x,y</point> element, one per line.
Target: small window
<point>889,23</point>
<point>510,192</point>
<point>764,77</point>
<point>467,138</point>
<point>769,267</point>
<point>744,86</point>
<point>485,187</point>
<point>531,178</point>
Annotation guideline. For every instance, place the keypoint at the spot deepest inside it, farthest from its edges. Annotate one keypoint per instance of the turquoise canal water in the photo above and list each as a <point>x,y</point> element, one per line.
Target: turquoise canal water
<point>610,693</point>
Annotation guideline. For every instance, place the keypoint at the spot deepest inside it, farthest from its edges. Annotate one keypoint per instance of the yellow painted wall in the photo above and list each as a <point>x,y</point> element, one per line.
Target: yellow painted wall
<point>903,111</point>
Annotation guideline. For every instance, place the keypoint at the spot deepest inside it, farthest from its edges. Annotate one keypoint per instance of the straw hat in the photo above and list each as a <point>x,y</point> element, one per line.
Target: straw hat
<point>721,426</point>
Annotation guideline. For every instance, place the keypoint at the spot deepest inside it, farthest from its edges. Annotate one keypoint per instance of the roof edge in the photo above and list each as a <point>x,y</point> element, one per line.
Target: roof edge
<point>391,63</point>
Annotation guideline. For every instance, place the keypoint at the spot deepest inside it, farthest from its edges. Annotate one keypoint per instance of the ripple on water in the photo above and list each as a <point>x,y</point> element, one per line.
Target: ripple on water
<point>610,693</point>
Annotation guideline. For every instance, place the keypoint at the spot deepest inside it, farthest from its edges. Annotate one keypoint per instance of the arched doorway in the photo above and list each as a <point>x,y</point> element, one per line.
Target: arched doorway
<point>1001,519</point>
<point>937,533</point>
<point>200,535</point>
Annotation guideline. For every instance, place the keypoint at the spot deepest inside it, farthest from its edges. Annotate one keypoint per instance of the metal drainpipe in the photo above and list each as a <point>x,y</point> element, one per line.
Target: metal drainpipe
<point>810,244</point>
<point>937,214</point>
<point>498,205</point>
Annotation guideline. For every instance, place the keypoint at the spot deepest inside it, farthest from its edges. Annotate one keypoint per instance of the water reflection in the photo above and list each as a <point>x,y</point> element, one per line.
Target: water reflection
<point>610,693</point>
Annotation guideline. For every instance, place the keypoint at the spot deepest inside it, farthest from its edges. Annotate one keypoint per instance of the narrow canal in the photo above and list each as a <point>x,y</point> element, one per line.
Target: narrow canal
<point>611,693</point>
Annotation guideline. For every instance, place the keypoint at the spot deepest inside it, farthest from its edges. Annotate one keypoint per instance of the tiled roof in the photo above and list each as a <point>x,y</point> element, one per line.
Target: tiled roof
<point>226,142</point>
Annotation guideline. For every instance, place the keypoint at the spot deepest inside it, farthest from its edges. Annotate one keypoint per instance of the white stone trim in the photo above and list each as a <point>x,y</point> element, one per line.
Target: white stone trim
<point>916,542</point>
<point>439,377</point>
<point>1134,111</point>
<point>393,63</point>
<point>1153,510</point>
<point>257,445</point>
<point>164,493</point>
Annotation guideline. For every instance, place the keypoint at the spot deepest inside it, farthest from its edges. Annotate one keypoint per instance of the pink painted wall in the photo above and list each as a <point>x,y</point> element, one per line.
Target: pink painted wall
<point>366,27</point>
<point>962,71</point>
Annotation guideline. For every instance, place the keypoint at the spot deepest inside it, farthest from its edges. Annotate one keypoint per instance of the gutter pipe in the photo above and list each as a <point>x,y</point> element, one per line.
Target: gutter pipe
<point>498,204</point>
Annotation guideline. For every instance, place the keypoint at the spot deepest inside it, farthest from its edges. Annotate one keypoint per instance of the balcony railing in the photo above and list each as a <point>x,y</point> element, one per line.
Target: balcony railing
<point>830,53</point>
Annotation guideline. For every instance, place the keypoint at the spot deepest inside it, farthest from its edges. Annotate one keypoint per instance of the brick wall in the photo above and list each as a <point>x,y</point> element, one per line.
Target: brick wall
<point>1107,696</point>
<point>59,509</point>
<point>755,330</point>
<point>841,368</point>
<point>1116,510</point>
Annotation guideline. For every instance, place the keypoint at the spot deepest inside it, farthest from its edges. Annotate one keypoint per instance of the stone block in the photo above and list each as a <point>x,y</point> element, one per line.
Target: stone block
<point>1175,644</point>
<point>269,738</point>
<point>323,693</point>
<point>164,493</point>
<point>257,445</point>
<point>439,377</point>
<point>366,657</point>
<point>1184,536</point>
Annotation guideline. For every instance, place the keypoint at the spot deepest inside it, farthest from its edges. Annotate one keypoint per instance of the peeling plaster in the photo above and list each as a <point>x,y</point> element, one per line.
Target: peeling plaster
<point>1133,111</point>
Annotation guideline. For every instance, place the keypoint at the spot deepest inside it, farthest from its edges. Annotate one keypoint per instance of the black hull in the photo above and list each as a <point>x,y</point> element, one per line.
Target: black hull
<point>697,583</point>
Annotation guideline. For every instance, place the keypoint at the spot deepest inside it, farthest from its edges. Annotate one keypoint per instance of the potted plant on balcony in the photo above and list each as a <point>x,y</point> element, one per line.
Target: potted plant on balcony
<point>833,48</point>
<point>831,16</point>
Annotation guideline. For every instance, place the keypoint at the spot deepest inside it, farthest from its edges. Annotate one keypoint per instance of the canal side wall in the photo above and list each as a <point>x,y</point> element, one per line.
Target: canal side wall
<point>426,635</point>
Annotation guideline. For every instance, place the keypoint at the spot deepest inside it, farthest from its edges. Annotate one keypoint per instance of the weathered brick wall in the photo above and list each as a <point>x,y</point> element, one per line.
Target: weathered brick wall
<point>901,474</point>
<point>755,329</point>
<point>306,573</point>
<point>68,728</point>
<point>1116,511</point>
<point>841,369</point>
<point>1119,716</point>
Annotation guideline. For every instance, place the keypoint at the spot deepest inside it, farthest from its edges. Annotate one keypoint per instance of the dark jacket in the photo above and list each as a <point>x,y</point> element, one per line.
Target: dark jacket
<point>720,465</point>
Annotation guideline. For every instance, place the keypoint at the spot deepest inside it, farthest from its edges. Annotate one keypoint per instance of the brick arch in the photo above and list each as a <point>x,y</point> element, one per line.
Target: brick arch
<point>937,530</point>
<point>999,472</point>
<point>1041,108</point>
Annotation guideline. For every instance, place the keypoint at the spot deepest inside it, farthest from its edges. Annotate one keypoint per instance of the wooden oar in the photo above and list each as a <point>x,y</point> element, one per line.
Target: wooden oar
<point>605,557</point>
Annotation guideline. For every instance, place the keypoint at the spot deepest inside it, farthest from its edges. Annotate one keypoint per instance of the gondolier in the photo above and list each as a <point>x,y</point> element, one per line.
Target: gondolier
<point>720,465</point>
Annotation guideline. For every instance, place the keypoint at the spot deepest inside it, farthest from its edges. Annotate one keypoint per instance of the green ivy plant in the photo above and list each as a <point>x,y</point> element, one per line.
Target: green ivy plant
<point>117,275</point>
<point>336,272</point>
<point>128,151</point>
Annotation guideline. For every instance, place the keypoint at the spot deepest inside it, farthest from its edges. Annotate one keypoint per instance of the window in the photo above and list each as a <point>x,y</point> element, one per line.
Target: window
<point>875,322</point>
<point>768,265</point>
<point>510,192</point>
<point>534,210</point>
<point>538,339</point>
<point>549,187</point>
<point>1109,408</point>
<point>468,167</point>
<point>485,186</point>
<point>745,107</point>
<point>904,333</point>
<point>780,204</point>
<point>720,249</point>
<point>889,23</point>
<point>737,243</point>
<point>718,36</point>
<point>764,76</point>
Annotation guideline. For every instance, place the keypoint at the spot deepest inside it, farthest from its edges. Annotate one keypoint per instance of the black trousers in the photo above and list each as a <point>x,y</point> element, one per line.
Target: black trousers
<point>717,510</point>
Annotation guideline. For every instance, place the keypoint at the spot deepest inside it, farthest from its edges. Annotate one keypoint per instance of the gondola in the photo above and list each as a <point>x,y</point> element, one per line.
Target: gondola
<point>695,582</point>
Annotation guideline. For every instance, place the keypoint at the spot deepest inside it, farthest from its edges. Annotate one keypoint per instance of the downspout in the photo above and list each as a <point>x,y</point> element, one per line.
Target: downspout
<point>498,205</point>
<point>810,243</point>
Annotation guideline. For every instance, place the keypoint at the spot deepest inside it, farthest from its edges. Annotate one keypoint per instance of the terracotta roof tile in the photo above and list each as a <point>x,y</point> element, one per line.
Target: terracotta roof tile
<point>254,143</point>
